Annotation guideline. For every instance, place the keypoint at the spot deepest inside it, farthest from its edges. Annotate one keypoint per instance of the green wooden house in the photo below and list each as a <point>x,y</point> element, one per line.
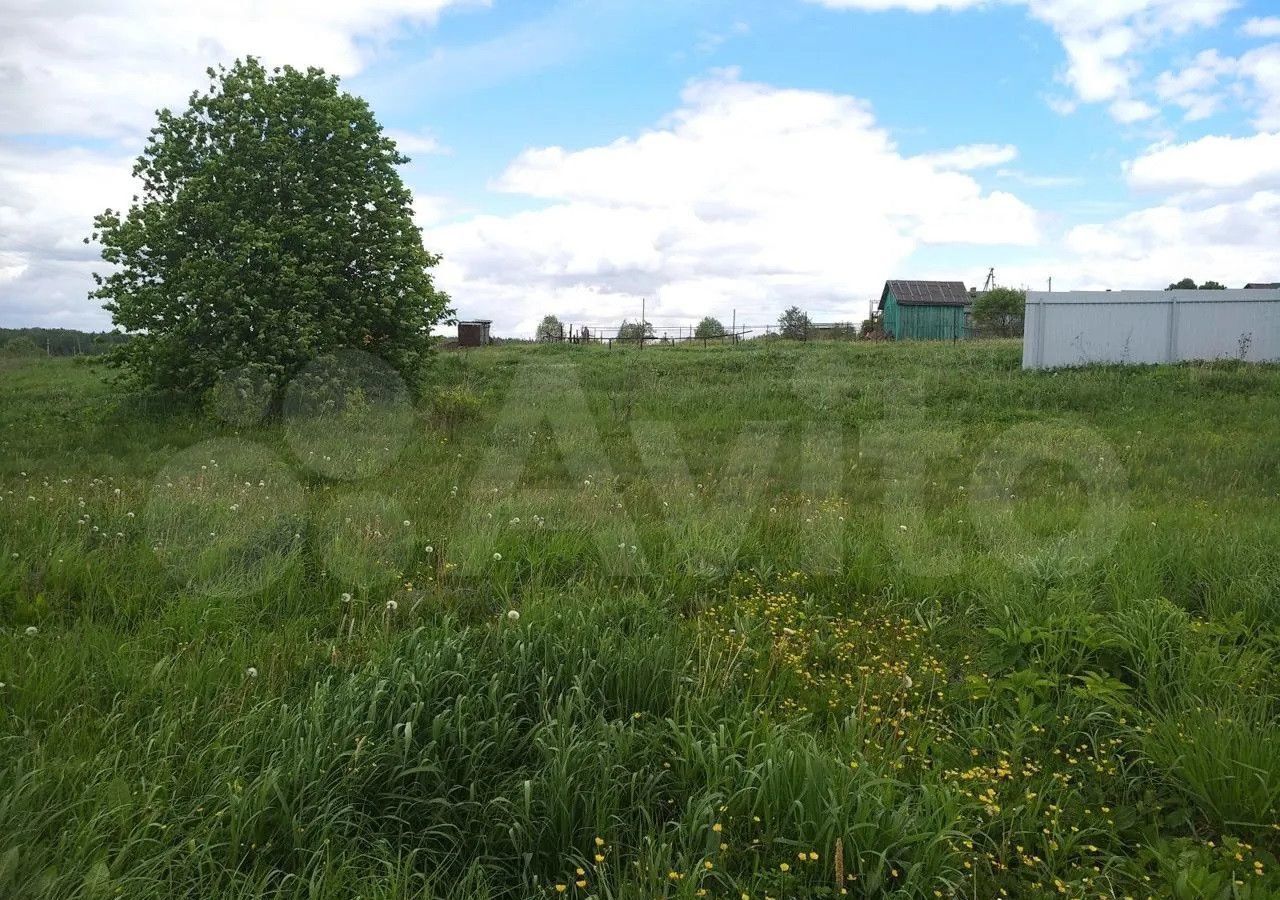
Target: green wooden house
<point>925,310</point>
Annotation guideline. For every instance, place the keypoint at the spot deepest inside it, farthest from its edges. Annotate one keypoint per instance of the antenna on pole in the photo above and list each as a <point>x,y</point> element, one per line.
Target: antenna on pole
<point>991,280</point>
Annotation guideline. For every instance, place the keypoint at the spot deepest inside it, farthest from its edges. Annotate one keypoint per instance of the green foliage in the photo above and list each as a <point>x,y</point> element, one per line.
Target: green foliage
<point>550,329</point>
<point>794,324</point>
<point>872,327</point>
<point>1000,311</point>
<point>64,341</point>
<point>634,331</point>
<point>709,327</point>
<point>272,228</point>
<point>1189,284</point>
<point>22,345</point>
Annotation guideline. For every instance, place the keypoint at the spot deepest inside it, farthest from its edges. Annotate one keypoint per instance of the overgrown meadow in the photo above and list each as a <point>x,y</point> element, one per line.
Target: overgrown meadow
<point>775,620</point>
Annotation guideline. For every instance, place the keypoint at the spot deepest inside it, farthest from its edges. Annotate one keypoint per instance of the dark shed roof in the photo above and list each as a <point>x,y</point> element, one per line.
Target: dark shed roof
<point>1262,285</point>
<point>927,293</point>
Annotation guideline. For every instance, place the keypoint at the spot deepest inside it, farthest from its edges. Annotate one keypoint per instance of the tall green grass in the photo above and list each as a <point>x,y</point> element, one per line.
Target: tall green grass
<point>890,620</point>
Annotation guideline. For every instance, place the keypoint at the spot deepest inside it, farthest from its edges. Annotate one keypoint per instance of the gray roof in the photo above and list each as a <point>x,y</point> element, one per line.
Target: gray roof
<point>1263,285</point>
<point>927,293</point>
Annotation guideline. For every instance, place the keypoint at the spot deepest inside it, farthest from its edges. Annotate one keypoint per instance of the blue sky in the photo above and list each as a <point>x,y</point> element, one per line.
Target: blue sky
<point>575,157</point>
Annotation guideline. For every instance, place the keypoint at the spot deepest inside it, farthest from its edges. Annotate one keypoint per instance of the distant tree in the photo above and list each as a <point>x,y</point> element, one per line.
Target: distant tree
<point>1186,284</point>
<point>794,324</point>
<point>1000,311</point>
<point>870,325</point>
<point>709,328</point>
<point>21,346</point>
<point>550,329</point>
<point>272,228</point>
<point>1213,286</point>
<point>633,331</point>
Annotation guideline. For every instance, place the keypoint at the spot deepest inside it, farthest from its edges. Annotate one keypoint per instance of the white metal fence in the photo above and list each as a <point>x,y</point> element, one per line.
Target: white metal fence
<point>1076,328</point>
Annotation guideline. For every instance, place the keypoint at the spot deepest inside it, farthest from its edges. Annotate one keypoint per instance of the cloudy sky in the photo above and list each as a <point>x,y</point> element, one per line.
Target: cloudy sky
<point>577,156</point>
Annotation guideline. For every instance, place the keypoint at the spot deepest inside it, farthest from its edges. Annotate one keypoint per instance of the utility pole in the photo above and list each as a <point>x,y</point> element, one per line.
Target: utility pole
<point>734,329</point>
<point>1050,284</point>
<point>642,323</point>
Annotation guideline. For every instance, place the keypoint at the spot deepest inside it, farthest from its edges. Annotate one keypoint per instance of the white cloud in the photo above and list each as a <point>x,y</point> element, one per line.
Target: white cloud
<point>1129,111</point>
<point>416,143</point>
<point>1254,78</point>
<point>1219,218</point>
<point>1233,242</point>
<point>1261,67</point>
<point>973,156</point>
<point>1039,181</point>
<point>1196,88</point>
<point>1212,164</point>
<point>749,197</point>
<point>711,41</point>
<point>1102,38</point>
<point>101,67</point>
<point>1262,28</point>
<point>47,203</point>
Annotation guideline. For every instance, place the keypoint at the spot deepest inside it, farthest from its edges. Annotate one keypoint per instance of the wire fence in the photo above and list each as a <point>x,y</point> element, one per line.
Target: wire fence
<point>634,334</point>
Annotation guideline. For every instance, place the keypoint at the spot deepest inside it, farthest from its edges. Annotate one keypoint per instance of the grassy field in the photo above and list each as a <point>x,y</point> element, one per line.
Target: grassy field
<point>765,621</point>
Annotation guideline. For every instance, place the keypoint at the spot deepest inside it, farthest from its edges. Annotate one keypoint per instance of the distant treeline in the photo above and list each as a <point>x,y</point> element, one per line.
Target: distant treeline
<point>58,341</point>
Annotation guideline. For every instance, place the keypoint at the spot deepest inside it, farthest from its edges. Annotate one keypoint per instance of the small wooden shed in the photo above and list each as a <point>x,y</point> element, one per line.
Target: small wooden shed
<point>474,333</point>
<point>925,310</point>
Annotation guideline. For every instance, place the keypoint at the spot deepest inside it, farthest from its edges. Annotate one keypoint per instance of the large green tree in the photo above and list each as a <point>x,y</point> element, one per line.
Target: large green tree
<point>794,324</point>
<point>634,331</point>
<point>1000,311</point>
<point>709,327</point>
<point>272,227</point>
<point>550,329</point>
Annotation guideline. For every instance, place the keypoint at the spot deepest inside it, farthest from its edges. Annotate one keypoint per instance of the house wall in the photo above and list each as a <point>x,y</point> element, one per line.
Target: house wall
<point>1076,328</point>
<point>923,323</point>
<point>472,334</point>
<point>890,321</point>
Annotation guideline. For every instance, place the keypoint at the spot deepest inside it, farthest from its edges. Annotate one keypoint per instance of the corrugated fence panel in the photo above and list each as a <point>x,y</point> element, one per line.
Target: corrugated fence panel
<point>1076,328</point>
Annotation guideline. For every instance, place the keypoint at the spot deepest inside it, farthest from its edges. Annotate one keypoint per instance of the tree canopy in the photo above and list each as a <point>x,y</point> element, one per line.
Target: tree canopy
<point>1000,311</point>
<point>794,323</point>
<point>22,345</point>
<point>272,227</point>
<point>709,327</point>
<point>1189,284</point>
<point>633,331</point>
<point>550,329</point>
